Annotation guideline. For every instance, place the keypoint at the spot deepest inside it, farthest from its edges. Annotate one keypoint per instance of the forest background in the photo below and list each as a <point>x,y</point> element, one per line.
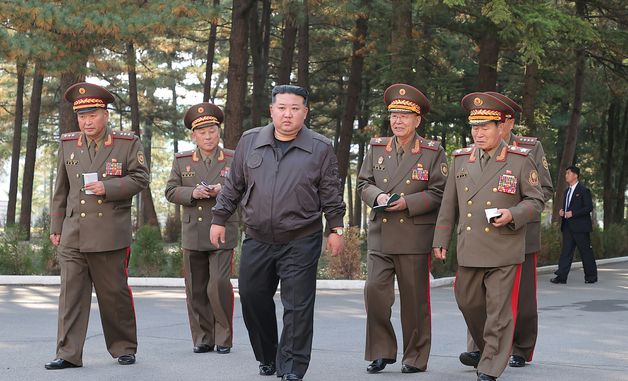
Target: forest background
<point>565,62</point>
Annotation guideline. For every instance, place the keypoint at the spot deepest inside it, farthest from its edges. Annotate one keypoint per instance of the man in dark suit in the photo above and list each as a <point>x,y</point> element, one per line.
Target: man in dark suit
<point>576,227</point>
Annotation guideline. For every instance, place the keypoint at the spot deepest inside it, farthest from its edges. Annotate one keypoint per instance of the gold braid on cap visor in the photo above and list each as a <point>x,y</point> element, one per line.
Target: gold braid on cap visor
<point>88,102</point>
<point>402,104</point>
<point>205,119</point>
<point>484,114</point>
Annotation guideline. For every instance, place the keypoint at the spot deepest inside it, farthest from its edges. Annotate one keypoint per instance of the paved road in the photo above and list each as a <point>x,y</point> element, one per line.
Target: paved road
<point>583,336</point>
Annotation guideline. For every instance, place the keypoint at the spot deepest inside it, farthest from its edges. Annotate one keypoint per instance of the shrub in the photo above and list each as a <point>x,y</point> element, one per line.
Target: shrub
<point>15,255</point>
<point>147,252</point>
<point>348,264</point>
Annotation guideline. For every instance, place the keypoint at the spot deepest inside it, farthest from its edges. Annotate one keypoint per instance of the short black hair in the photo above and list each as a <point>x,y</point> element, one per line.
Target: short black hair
<point>291,89</point>
<point>574,169</point>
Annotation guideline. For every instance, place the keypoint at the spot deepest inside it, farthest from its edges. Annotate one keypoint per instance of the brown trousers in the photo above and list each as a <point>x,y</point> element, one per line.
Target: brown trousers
<point>488,300</point>
<point>413,277</point>
<point>527,327</point>
<point>209,296</point>
<point>107,271</point>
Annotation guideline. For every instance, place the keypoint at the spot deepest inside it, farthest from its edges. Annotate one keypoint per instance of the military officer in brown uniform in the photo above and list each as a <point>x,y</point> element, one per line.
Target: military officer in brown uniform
<point>99,172</point>
<point>526,328</point>
<point>497,181</point>
<point>195,181</point>
<point>400,236</point>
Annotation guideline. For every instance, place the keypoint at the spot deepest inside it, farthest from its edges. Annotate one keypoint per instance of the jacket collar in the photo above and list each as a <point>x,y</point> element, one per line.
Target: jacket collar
<point>303,140</point>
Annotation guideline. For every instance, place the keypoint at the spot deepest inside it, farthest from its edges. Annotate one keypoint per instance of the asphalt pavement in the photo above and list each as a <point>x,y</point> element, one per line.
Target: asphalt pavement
<point>583,335</point>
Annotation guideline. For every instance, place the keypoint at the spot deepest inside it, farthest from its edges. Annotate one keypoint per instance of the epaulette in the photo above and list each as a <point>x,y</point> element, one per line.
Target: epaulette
<point>519,150</point>
<point>463,151</point>
<point>71,136</point>
<point>430,144</point>
<point>379,141</point>
<point>229,152</point>
<point>179,155</point>
<point>526,140</point>
<point>126,135</point>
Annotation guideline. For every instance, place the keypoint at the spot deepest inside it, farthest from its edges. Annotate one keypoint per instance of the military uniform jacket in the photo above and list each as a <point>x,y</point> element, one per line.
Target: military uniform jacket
<point>509,181</point>
<point>93,223</point>
<point>420,178</point>
<point>533,230</point>
<point>188,170</point>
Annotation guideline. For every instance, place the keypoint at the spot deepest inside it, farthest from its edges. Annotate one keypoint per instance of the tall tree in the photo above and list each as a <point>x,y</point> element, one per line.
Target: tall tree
<point>211,47</point>
<point>67,118</point>
<point>17,142</point>
<point>260,44</point>
<point>303,43</point>
<point>401,46</point>
<point>488,55</point>
<point>287,42</point>
<point>530,88</point>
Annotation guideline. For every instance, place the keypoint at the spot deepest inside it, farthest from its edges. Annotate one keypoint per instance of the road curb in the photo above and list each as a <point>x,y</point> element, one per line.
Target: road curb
<point>321,284</point>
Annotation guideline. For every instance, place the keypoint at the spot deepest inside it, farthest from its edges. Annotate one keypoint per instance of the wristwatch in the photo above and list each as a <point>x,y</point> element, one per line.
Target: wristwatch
<point>339,231</point>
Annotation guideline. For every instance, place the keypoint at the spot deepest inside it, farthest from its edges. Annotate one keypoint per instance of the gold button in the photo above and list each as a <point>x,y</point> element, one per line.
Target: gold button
<point>78,175</point>
<point>488,203</point>
<point>469,202</point>
<point>469,215</point>
<point>466,189</point>
<point>82,214</point>
<point>468,228</point>
<point>494,189</point>
<point>487,230</point>
<point>104,175</point>
<point>200,219</point>
<point>407,181</point>
<point>402,194</point>
<point>198,184</point>
<point>200,208</point>
<point>82,202</point>
<point>384,220</point>
<point>100,201</point>
<point>99,214</point>
<point>401,220</point>
<point>385,180</point>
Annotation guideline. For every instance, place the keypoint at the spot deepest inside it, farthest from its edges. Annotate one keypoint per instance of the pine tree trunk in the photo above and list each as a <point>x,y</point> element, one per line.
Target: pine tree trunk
<point>17,143</point>
<point>530,87</point>
<point>401,46</point>
<point>211,47</point>
<point>287,44</point>
<point>350,199</point>
<point>133,100</point>
<point>609,192</point>
<point>149,214</point>
<point>303,58</point>
<point>236,76</point>
<point>176,233</point>
<point>260,44</point>
<point>622,172</point>
<point>363,120</point>
<point>31,152</point>
<point>489,52</point>
<point>67,117</point>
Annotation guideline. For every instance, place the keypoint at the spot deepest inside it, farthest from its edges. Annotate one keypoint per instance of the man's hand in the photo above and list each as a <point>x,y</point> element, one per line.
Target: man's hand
<point>97,187</point>
<point>217,235</point>
<point>440,253</point>
<point>335,244</point>
<point>504,219</point>
<point>561,213</point>
<point>568,214</point>
<point>201,192</point>
<point>216,188</point>
<point>398,205</point>
<point>382,199</point>
<point>55,239</point>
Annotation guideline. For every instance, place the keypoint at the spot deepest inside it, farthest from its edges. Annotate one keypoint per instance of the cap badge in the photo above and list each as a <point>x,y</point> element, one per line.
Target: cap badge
<point>200,110</point>
<point>81,90</point>
<point>477,101</point>
<point>402,91</point>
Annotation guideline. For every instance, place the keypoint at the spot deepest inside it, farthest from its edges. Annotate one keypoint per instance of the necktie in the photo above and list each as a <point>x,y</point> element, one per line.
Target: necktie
<point>399,155</point>
<point>92,150</point>
<point>484,160</point>
<point>567,198</point>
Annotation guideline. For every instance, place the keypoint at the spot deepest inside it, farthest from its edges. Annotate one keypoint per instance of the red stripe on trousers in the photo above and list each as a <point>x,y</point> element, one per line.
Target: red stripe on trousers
<point>514,301</point>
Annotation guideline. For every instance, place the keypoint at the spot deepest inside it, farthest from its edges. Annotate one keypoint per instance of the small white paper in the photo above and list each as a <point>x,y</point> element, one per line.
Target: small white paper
<point>89,178</point>
<point>490,213</point>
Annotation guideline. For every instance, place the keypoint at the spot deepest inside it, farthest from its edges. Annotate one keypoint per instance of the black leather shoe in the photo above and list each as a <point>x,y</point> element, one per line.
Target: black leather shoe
<point>485,377</point>
<point>203,348</point>
<point>470,358</point>
<point>590,280</point>
<point>291,377</point>
<point>558,280</point>
<point>379,365</point>
<point>60,364</point>
<point>126,359</point>
<point>222,350</point>
<point>405,368</point>
<point>267,369</point>
<point>517,361</point>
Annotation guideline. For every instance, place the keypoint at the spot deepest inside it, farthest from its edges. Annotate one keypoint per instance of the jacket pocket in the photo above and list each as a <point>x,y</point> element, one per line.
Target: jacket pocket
<point>186,218</point>
<point>125,205</point>
<point>68,212</point>
<point>247,194</point>
<point>308,199</point>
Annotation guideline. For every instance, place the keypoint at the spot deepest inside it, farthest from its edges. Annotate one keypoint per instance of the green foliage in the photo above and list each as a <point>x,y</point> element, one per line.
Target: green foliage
<point>147,252</point>
<point>15,255</point>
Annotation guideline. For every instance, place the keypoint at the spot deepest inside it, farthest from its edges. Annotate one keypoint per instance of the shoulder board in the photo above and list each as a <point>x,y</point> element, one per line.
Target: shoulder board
<point>519,150</point>
<point>379,141</point>
<point>71,136</point>
<point>179,155</point>
<point>463,151</point>
<point>430,144</point>
<point>126,135</point>
<point>228,152</point>
<point>526,140</point>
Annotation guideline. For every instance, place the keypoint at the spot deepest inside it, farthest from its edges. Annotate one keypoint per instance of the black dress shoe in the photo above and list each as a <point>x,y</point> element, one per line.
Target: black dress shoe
<point>590,280</point>
<point>126,359</point>
<point>470,358</point>
<point>291,377</point>
<point>222,350</point>
<point>203,348</point>
<point>60,364</point>
<point>267,369</point>
<point>485,377</point>
<point>558,280</point>
<point>379,365</point>
<point>405,368</point>
<point>517,361</point>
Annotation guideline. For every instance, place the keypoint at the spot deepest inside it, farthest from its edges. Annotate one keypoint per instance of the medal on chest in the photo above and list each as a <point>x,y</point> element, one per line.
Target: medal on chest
<point>71,161</point>
<point>225,171</point>
<point>188,172</point>
<point>507,183</point>
<point>113,168</point>
<point>420,174</point>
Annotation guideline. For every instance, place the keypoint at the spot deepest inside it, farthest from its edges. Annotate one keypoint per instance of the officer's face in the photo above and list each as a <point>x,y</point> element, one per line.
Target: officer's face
<point>93,123</point>
<point>486,136</point>
<point>404,124</point>
<point>288,114</point>
<point>206,138</point>
<point>507,126</point>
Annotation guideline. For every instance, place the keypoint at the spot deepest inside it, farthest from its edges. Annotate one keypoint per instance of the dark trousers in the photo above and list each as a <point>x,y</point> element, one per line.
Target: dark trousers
<point>582,241</point>
<point>262,267</point>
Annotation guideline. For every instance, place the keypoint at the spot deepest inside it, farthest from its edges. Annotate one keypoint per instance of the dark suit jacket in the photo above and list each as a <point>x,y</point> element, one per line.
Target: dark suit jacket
<point>581,206</point>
